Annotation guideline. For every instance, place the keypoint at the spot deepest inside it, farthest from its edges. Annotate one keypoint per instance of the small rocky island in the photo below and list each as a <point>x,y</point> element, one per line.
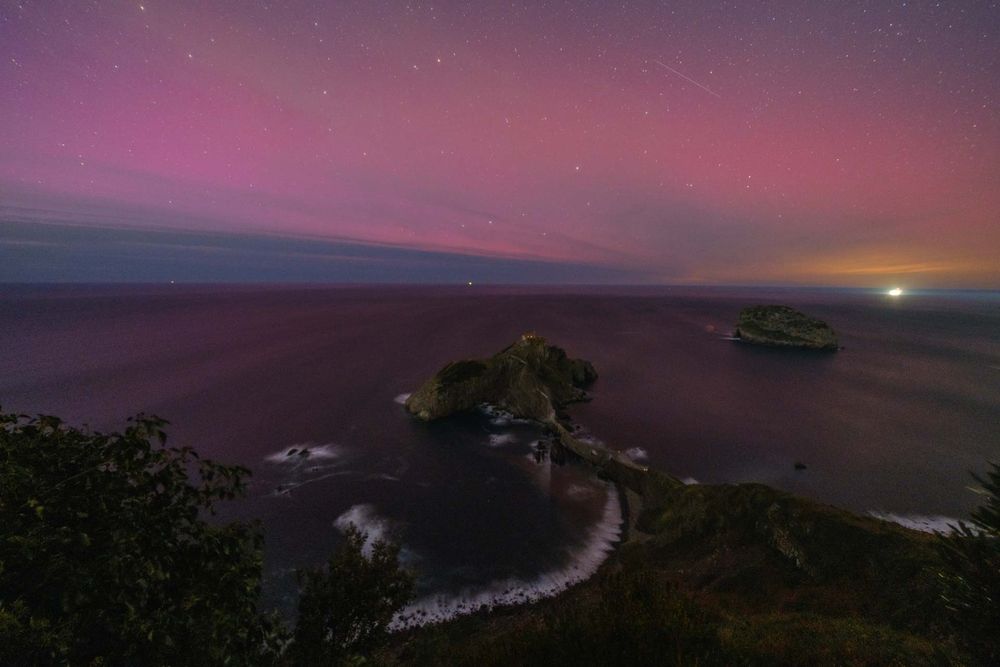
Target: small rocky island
<point>531,380</point>
<point>781,326</point>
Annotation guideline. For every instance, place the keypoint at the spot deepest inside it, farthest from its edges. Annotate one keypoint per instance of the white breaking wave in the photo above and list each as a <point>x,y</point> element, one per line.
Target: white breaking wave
<point>499,417</point>
<point>689,481</point>
<point>306,463</point>
<point>286,488</point>
<point>933,523</point>
<point>587,437</point>
<point>384,476</point>
<point>583,563</point>
<point>501,439</point>
<point>401,399</point>
<point>637,454</point>
<point>579,491</point>
<point>305,452</point>
<point>367,520</point>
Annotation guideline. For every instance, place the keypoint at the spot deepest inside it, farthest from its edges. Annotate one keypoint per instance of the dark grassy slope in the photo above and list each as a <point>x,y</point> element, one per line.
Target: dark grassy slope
<point>732,574</point>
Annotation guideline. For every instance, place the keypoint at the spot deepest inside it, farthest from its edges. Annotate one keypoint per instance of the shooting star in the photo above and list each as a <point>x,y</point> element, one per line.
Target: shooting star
<point>687,78</point>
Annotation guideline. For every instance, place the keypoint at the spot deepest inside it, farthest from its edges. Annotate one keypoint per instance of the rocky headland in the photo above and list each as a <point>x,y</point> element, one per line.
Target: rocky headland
<point>781,326</point>
<point>711,574</point>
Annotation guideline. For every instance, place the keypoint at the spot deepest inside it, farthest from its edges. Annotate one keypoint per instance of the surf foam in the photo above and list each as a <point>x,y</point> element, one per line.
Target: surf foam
<point>500,417</point>
<point>927,523</point>
<point>501,439</point>
<point>583,563</point>
<point>579,491</point>
<point>637,454</point>
<point>306,463</point>
<point>364,517</point>
<point>305,452</point>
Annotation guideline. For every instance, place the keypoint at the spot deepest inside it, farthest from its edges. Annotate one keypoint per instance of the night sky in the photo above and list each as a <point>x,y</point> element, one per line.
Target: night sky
<point>812,142</point>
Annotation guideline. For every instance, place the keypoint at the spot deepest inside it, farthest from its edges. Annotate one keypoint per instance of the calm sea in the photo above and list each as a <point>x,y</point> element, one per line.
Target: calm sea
<point>892,424</point>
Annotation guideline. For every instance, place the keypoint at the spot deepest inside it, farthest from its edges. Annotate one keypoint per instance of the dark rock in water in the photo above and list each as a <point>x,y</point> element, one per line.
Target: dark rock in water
<point>799,465</point>
<point>530,379</point>
<point>782,326</point>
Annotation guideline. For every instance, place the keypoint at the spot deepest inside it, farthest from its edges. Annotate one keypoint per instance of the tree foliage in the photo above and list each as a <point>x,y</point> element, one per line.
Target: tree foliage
<point>971,577</point>
<point>345,609</point>
<point>106,556</point>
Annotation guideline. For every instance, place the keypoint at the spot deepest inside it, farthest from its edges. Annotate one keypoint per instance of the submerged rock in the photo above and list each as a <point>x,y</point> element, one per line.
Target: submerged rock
<point>782,326</point>
<point>530,379</point>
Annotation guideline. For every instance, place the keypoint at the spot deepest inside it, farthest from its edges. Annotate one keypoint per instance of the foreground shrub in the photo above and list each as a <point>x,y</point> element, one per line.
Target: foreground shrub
<point>971,578</point>
<point>345,609</point>
<point>106,558</point>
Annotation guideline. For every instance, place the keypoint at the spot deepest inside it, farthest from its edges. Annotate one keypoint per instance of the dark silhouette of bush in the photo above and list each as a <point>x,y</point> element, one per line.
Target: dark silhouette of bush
<point>106,558</point>
<point>345,609</point>
<point>971,576</point>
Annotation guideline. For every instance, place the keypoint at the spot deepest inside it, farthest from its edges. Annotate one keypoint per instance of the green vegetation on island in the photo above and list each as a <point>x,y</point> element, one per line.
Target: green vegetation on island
<point>781,326</point>
<point>530,379</point>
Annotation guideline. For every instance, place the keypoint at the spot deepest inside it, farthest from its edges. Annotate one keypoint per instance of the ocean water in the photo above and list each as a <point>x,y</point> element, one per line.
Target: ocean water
<point>891,425</point>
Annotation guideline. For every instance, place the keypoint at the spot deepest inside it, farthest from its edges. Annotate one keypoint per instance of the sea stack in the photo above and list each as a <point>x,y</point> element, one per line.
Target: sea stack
<point>530,379</point>
<point>781,326</point>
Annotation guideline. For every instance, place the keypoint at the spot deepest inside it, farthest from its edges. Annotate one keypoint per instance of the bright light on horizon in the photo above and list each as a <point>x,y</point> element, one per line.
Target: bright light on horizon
<point>895,291</point>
